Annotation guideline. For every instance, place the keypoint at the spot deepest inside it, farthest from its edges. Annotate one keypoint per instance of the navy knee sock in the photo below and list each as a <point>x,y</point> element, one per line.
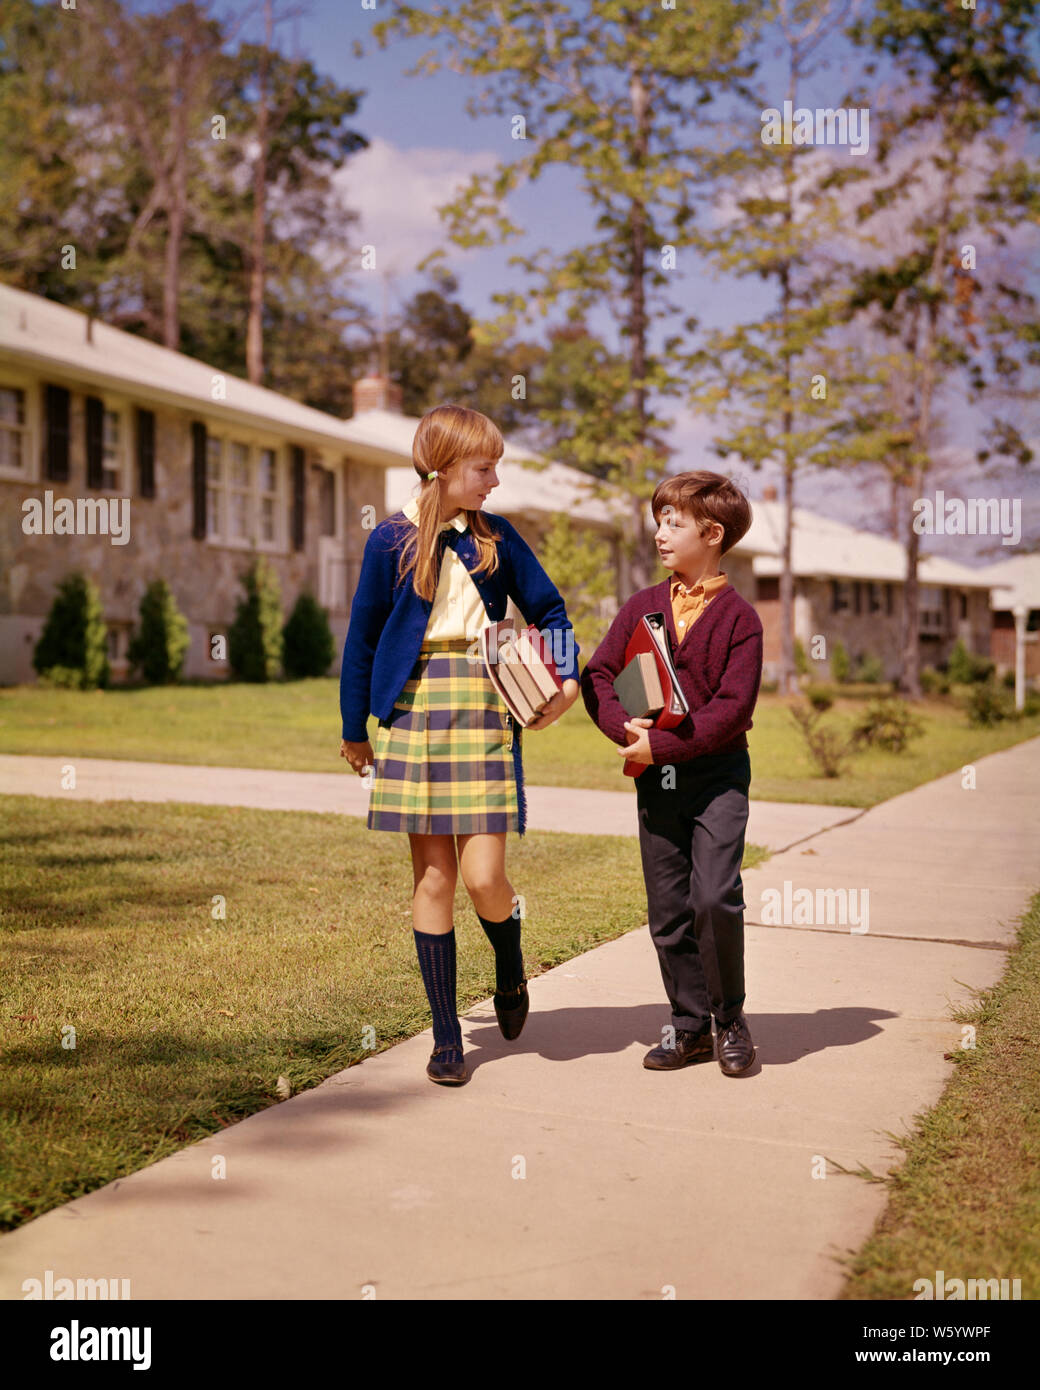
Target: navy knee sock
<point>437,962</point>
<point>509,963</point>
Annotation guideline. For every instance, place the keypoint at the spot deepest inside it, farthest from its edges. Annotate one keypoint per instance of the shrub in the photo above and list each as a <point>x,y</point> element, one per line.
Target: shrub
<point>255,637</point>
<point>307,645</point>
<point>1008,680</point>
<point>74,637</point>
<point>820,698</point>
<point>933,682</point>
<point>769,687</point>
<point>965,668</point>
<point>840,663</point>
<point>887,723</point>
<point>826,747</point>
<point>988,705</point>
<point>871,670</point>
<point>160,644</point>
<point>62,678</point>
<point>801,661</point>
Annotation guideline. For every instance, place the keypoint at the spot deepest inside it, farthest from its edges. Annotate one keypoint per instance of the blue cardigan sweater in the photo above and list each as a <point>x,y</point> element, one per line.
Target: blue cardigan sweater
<point>388,619</point>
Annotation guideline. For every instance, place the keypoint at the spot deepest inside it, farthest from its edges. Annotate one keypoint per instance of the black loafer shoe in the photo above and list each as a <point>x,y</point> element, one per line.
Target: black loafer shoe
<point>689,1047</point>
<point>511,1010</point>
<point>736,1050</point>
<point>446,1073</point>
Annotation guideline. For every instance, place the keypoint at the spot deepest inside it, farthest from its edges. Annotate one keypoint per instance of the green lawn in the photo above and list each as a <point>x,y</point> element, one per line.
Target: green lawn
<point>967,1198</point>
<point>184,1023</point>
<point>296,725</point>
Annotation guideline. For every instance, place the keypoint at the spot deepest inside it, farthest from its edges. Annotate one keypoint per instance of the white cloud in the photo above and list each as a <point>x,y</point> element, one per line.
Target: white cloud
<point>397,193</point>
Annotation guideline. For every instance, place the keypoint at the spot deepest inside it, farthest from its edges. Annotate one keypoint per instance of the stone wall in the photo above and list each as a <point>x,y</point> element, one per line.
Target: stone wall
<point>204,575</point>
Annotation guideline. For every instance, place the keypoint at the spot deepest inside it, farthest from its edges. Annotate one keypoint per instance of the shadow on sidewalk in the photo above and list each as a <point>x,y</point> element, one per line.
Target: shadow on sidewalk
<point>563,1035</point>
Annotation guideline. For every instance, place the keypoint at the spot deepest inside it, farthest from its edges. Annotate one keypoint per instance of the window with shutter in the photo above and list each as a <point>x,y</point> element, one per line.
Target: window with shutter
<point>146,452</point>
<point>198,479</point>
<point>298,502</point>
<point>57,446</point>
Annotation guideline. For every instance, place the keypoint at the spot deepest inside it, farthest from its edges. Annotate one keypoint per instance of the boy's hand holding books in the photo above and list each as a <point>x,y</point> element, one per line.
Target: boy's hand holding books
<point>637,750</point>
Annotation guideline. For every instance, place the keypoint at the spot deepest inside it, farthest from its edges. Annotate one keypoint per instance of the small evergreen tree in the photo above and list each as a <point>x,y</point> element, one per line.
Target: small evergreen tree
<point>74,636</point>
<point>159,646</point>
<point>307,643</point>
<point>255,637</point>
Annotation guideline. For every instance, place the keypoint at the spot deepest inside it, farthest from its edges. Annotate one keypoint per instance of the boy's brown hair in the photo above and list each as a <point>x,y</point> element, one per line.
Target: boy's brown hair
<point>706,497</point>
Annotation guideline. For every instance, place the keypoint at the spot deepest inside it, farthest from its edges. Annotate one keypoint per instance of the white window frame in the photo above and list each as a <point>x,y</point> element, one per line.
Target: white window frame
<point>219,525</point>
<point>118,635</point>
<point>120,470</point>
<point>32,428</point>
<point>930,615</point>
<point>119,406</point>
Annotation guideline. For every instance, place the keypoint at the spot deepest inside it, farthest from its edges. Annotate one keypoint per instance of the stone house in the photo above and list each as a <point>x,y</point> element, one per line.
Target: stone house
<point>206,466</point>
<point>848,587</point>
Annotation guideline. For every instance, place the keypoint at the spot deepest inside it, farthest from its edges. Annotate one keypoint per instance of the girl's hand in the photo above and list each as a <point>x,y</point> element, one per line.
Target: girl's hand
<point>639,750</point>
<point>559,704</point>
<point>359,755</point>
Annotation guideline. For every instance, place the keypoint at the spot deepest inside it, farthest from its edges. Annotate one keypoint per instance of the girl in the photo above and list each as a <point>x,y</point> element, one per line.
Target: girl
<point>447,755</point>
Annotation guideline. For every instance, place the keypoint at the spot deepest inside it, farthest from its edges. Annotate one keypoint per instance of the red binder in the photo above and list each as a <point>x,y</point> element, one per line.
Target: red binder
<point>651,635</point>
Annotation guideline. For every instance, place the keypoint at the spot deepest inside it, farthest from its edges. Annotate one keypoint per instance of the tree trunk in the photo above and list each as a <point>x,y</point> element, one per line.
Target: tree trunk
<point>639,566</point>
<point>255,324</point>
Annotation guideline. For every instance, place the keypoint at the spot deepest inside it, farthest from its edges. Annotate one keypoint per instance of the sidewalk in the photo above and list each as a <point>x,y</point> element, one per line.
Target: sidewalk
<point>564,1170</point>
<point>775,824</point>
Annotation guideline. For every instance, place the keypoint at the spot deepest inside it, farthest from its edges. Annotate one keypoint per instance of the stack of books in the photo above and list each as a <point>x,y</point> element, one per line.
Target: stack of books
<point>648,686</point>
<point>520,668</point>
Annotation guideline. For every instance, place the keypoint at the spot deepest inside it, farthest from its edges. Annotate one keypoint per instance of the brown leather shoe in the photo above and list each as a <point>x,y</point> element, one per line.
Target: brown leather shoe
<point>511,1010</point>
<point>736,1050</point>
<point>689,1047</point>
<point>446,1073</point>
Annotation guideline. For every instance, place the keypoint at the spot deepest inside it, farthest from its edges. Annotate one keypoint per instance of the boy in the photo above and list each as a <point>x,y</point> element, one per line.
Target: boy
<point>692,796</point>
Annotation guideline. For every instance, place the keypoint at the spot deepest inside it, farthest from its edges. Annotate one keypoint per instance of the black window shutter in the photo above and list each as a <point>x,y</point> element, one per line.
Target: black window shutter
<point>835,601</point>
<point>57,447</point>
<point>888,599</point>
<point>857,596</point>
<point>146,452</point>
<point>198,478</point>
<point>297,497</point>
<point>95,441</point>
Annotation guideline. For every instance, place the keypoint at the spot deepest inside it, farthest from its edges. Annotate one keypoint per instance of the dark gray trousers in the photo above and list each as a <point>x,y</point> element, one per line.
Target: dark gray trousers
<point>691,837</point>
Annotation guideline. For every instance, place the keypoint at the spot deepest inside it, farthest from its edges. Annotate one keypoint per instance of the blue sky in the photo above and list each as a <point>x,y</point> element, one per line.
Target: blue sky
<point>423,144</point>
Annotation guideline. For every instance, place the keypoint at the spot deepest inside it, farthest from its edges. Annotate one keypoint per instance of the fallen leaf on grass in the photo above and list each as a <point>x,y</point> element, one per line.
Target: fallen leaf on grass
<point>229,1013</point>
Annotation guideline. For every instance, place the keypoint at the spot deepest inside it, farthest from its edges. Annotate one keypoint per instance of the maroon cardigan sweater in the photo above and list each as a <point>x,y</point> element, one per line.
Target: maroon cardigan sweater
<point>719,664</point>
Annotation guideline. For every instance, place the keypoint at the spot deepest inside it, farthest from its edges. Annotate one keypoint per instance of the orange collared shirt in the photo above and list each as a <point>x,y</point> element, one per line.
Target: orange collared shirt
<point>689,603</point>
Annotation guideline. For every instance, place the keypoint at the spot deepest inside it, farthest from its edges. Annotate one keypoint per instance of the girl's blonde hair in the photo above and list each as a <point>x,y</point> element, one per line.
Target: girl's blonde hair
<point>446,435</point>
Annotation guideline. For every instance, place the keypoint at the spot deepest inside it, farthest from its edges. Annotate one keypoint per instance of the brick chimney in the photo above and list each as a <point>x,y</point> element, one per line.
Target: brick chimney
<point>375,392</point>
<point>769,493</point>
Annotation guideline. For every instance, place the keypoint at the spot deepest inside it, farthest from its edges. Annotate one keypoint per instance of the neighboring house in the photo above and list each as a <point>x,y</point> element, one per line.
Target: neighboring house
<point>848,587</point>
<point>210,465</point>
<point>1016,583</point>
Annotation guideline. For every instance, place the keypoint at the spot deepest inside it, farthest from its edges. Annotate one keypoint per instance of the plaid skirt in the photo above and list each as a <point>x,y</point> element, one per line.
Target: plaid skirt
<point>447,760</point>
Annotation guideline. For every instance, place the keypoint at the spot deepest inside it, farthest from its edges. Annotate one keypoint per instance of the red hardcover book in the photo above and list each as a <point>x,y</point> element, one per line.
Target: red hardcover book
<point>651,635</point>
